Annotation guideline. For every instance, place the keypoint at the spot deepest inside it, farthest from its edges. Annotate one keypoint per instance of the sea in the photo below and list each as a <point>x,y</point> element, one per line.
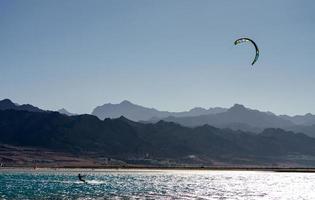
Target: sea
<point>154,184</point>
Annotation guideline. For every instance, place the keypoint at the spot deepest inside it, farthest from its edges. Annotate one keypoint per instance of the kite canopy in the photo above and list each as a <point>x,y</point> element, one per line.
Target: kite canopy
<point>242,40</point>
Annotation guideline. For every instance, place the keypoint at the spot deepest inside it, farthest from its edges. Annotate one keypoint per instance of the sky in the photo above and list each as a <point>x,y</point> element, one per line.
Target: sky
<point>170,55</point>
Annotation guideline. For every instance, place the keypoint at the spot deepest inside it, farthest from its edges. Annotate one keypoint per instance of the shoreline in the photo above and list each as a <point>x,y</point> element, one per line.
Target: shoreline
<point>122,168</point>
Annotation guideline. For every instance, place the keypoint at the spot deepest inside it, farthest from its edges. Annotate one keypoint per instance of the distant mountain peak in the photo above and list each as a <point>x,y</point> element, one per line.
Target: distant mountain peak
<point>6,101</point>
<point>126,102</point>
<point>7,104</point>
<point>65,112</point>
<point>238,107</point>
<point>197,109</point>
<point>62,110</point>
<point>123,118</point>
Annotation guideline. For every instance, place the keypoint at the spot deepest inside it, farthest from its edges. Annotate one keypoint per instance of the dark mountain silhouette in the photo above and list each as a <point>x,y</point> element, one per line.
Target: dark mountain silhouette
<point>7,104</point>
<point>65,112</point>
<point>237,117</point>
<point>140,113</point>
<point>124,139</point>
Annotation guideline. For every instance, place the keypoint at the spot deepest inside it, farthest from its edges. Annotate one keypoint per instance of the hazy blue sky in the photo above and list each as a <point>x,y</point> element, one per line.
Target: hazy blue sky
<point>172,55</point>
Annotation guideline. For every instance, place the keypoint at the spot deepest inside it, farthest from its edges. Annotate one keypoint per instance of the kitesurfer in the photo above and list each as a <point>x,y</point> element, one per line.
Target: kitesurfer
<point>81,178</point>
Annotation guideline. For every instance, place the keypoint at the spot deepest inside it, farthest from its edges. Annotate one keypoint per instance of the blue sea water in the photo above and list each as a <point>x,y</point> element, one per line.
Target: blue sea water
<point>154,184</point>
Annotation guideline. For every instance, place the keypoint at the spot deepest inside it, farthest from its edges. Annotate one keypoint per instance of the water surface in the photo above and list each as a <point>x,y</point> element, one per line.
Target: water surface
<point>155,184</point>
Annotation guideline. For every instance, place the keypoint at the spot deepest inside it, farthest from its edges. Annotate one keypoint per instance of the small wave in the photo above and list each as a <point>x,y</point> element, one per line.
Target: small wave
<point>95,182</point>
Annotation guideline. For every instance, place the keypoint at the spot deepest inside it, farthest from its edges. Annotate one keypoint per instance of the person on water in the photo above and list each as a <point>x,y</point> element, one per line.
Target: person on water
<point>81,178</point>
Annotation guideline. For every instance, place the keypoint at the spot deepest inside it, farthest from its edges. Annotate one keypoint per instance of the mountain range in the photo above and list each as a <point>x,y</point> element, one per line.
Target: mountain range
<point>238,117</point>
<point>159,142</point>
<point>234,136</point>
<point>141,113</point>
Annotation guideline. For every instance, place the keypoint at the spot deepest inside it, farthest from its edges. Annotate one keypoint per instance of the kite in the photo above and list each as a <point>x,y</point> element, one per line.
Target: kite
<point>242,40</point>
